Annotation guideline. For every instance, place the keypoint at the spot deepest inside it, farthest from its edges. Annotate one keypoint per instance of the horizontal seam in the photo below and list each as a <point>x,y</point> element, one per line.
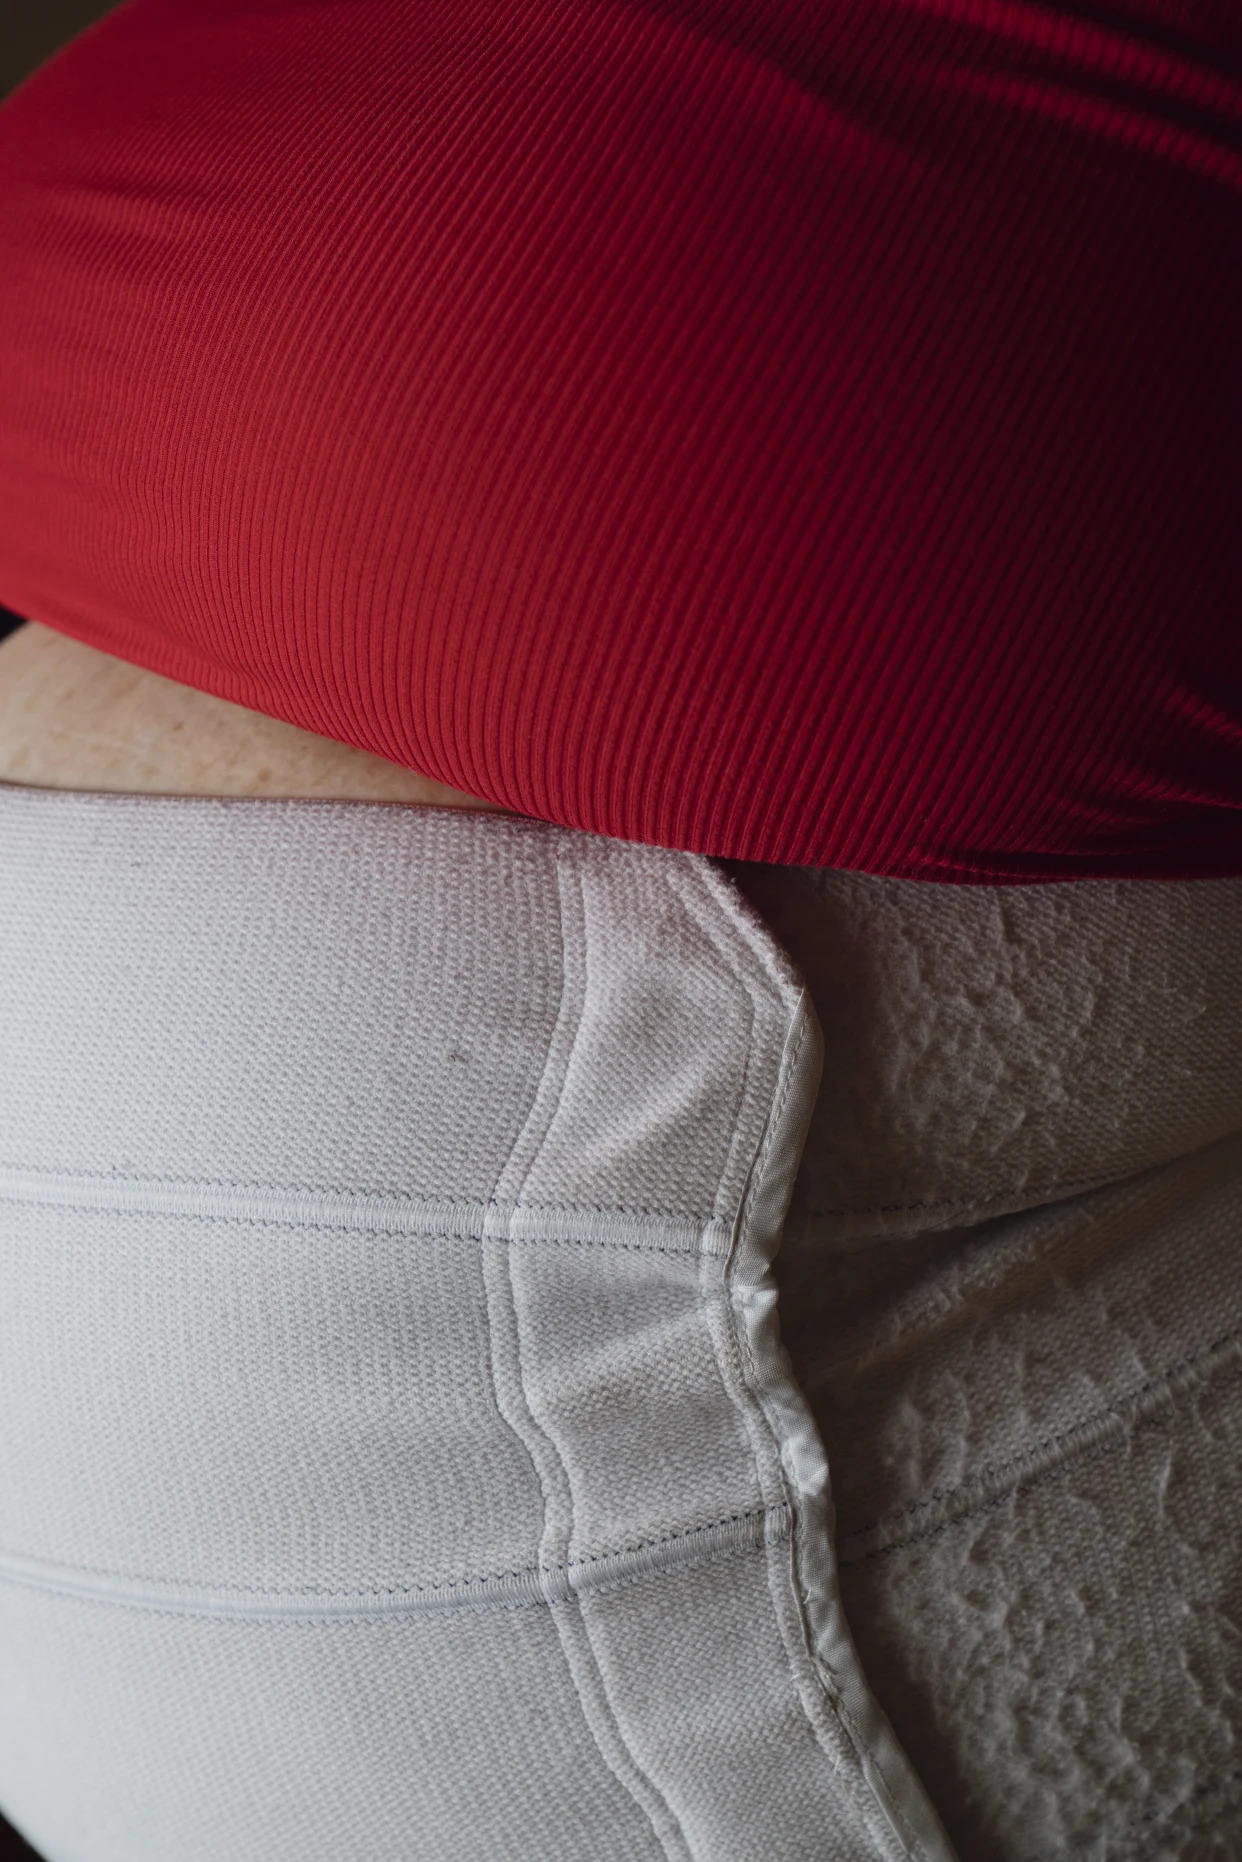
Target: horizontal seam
<point>397,1590</point>
<point>327,1618</point>
<point>333,1604</point>
<point>942,1496</point>
<point>350,1190</point>
<point>307,1227</point>
<point>1047,1192</point>
<point>1039,1192</point>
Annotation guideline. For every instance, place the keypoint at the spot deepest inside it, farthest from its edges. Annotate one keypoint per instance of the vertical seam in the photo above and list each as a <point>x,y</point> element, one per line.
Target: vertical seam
<point>746,1373</point>
<point>557,1593</point>
<point>741,1337</point>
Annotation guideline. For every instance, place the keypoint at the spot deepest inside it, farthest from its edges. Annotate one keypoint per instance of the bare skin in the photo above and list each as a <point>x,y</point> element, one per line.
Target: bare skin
<point>72,717</point>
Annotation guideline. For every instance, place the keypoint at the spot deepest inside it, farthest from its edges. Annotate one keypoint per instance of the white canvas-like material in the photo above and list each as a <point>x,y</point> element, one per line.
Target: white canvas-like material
<point>1011,1288</point>
<point>397,1456</point>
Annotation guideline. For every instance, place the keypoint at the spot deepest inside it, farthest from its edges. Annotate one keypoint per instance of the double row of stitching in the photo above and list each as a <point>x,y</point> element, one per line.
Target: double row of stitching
<point>380,1212</point>
<point>593,1575</point>
<point>513,1402</point>
<point>891,1799</point>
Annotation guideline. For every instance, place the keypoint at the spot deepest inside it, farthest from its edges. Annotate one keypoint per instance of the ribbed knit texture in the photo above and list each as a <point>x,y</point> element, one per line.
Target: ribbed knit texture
<point>806,433</point>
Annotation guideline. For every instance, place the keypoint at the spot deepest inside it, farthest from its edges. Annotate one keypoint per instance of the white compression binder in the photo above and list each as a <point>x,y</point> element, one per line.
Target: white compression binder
<point>398,1458</point>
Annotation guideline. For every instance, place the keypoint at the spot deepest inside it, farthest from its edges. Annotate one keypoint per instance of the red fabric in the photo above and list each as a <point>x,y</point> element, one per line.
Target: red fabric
<point>802,432</point>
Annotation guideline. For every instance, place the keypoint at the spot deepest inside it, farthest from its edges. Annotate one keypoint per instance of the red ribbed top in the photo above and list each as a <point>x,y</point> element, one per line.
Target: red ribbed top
<point>802,432</point>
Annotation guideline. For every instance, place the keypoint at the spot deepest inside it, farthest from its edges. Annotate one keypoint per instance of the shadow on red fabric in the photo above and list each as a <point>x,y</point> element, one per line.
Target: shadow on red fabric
<point>796,432</point>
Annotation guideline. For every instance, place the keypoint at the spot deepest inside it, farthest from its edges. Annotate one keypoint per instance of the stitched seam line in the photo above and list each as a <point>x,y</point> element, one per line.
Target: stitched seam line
<point>533,1424</point>
<point>1088,1429</point>
<point>413,1199</point>
<point>750,1379</point>
<point>861,1744</point>
<point>1054,1192</point>
<point>680,1536</point>
<point>356,1608</point>
<point>1034,1196</point>
<point>306,1227</point>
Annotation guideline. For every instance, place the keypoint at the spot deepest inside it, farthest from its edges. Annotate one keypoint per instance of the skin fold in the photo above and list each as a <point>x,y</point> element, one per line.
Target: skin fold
<point>72,717</point>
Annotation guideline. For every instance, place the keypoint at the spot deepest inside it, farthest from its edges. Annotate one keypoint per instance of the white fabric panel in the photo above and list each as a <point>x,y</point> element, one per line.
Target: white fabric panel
<point>148,1732</point>
<point>398,1454</point>
<point>991,1048</point>
<point>397,1457</point>
<point>1031,1395</point>
<point>312,962</point>
<point>1040,1529</point>
<point>201,1399</point>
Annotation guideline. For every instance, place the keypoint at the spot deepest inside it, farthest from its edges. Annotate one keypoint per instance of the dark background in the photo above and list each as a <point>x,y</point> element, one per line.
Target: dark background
<point>32,31</point>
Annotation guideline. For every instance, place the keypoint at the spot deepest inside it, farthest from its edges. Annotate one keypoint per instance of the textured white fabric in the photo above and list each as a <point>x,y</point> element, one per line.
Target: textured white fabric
<point>397,1459</point>
<point>1030,1392</point>
<point>397,1455</point>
